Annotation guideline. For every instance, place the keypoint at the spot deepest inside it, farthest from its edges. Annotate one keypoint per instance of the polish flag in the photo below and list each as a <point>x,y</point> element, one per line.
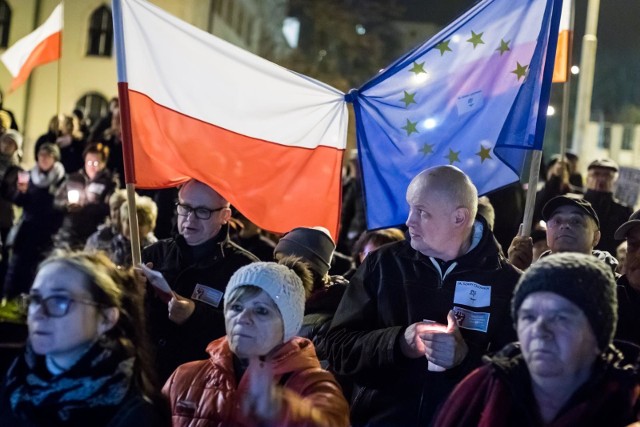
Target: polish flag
<point>565,38</point>
<point>37,48</point>
<point>269,140</point>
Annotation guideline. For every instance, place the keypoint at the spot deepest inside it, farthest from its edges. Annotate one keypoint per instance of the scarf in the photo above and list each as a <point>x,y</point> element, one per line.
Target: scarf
<point>88,392</point>
<point>46,179</point>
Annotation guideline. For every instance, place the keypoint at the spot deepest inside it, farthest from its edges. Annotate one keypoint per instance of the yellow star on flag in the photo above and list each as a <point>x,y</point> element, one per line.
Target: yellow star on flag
<point>427,149</point>
<point>504,46</point>
<point>418,68</point>
<point>410,127</point>
<point>520,71</point>
<point>408,99</point>
<point>484,153</point>
<point>453,156</point>
<point>475,39</point>
<point>443,47</point>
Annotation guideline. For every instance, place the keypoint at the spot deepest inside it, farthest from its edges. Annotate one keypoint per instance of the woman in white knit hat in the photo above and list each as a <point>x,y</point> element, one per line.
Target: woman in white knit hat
<point>260,373</point>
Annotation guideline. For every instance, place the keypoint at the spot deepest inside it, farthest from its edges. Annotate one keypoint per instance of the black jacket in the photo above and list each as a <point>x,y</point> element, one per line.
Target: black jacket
<point>628,312</point>
<point>177,344</point>
<point>397,286</point>
<point>611,214</point>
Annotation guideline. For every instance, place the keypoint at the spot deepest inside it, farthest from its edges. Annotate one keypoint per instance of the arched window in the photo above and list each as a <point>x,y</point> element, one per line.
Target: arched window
<point>5,23</point>
<point>94,106</point>
<point>100,32</point>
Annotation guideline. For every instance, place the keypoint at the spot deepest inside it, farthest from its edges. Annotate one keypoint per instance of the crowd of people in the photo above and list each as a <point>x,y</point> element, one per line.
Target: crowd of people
<point>440,322</point>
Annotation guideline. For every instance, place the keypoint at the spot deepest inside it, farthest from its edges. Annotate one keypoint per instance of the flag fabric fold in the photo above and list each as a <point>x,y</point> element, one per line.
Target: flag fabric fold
<point>269,140</point>
<point>37,48</point>
<point>474,96</point>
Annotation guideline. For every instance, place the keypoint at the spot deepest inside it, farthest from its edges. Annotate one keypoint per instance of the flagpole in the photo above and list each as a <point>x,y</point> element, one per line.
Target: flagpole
<point>59,68</point>
<point>564,119</point>
<point>585,82</point>
<point>27,88</point>
<point>566,89</point>
<point>125,120</point>
<point>536,158</point>
<point>536,155</point>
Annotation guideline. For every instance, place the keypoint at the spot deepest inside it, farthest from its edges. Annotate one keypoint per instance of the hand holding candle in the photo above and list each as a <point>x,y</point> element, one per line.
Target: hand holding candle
<point>444,345</point>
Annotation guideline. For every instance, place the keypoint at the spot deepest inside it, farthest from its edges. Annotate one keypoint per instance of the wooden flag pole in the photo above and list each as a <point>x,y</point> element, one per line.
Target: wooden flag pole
<point>127,143</point>
<point>534,169</point>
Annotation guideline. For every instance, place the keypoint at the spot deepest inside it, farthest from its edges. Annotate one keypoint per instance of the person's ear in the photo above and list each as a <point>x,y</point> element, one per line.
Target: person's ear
<point>226,215</point>
<point>461,216</point>
<point>110,317</point>
<point>596,238</point>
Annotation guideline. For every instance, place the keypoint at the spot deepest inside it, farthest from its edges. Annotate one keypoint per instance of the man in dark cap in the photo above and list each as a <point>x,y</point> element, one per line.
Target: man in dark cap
<point>601,178</point>
<point>629,283</point>
<point>316,248</point>
<point>572,226</point>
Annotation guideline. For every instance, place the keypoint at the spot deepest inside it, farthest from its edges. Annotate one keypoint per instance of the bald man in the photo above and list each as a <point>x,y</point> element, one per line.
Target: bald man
<point>419,314</point>
<point>197,264</point>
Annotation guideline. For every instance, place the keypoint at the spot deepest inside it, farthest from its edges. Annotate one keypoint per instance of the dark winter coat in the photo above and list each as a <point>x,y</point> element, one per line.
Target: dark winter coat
<point>177,344</point>
<point>397,286</point>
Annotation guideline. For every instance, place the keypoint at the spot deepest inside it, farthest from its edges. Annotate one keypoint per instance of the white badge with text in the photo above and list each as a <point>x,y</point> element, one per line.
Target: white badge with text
<point>472,294</point>
<point>207,295</point>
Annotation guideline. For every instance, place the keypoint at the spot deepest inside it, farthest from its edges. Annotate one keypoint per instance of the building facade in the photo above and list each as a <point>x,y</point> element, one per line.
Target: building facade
<point>85,77</point>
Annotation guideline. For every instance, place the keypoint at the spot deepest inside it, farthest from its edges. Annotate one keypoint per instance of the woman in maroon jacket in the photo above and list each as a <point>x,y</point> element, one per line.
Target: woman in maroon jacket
<point>564,371</point>
<point>260,373</point>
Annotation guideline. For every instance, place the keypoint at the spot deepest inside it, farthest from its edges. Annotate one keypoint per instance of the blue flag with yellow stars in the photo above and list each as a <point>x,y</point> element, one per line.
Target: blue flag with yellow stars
<point>474,96</point>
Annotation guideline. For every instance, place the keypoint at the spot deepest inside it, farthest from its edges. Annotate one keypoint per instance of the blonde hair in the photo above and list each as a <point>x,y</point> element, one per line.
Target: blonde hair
<point>117,198</point>
<point>146,209</point>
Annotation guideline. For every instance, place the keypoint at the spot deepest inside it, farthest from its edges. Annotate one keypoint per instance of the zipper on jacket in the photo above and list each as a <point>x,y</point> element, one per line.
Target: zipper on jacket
<point>442,276</point>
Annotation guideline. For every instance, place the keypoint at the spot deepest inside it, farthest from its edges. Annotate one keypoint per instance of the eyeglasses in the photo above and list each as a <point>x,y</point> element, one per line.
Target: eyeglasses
<point>573,222</point>
<point>200,212</point>
<point>53,306</point>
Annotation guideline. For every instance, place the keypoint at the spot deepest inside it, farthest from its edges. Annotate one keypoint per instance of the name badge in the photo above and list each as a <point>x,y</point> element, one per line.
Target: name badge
<point>472,294</point>
<point>207,295</point>
<point>474,320</point>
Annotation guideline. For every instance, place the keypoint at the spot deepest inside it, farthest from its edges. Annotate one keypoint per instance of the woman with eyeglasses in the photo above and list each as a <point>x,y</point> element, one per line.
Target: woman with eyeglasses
<point>86,198</point>
<point>86,362</point>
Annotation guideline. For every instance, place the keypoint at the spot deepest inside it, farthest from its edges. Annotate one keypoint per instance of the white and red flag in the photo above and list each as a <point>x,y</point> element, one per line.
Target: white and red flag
<point>269,140</point>
<point>37,48</point>
<point>565,39</point>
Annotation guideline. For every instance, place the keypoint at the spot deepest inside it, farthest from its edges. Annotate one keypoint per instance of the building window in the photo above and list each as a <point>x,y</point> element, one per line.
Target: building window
<point>218,9</point>
<point>604,138</point>
<point>5,23</point>
<point>627,137</point>
<point>100,32</point>
<point>94,106</point>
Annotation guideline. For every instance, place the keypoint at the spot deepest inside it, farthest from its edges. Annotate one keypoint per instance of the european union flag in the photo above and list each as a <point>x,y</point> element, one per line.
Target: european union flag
<point>474,96</point>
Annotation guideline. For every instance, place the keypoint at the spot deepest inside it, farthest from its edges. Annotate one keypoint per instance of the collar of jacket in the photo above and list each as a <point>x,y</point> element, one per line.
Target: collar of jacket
<point>216,244</point>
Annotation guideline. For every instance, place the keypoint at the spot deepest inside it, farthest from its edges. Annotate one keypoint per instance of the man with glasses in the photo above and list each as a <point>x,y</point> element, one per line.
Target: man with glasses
<point>196,264</point>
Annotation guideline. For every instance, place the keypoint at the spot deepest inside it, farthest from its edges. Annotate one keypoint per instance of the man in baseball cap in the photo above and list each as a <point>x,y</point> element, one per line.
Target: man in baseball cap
<point>629,283</point>
<point>572,226</point>
<point>602,175</point>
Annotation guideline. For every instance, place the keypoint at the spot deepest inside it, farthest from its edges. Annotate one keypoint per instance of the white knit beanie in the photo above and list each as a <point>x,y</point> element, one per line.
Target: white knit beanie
<point>279,282</point>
